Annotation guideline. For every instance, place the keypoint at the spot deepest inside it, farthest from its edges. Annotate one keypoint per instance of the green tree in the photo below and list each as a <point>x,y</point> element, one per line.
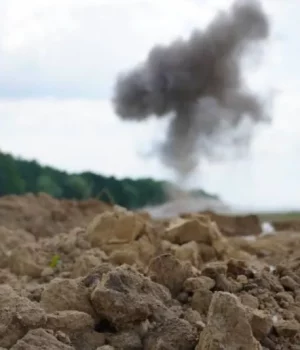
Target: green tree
<point>78,187</point>
<point>46,184</point>
<point>18,176</point>
<point>30,172</point>
<point>10,179</point>
<point>131,194</point>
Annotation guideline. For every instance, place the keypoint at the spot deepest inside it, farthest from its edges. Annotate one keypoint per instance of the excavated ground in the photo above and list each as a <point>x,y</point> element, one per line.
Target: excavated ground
<point>86,276</point>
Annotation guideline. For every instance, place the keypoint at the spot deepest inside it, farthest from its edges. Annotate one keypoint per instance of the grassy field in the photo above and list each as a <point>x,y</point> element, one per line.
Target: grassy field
<point>280,216</point>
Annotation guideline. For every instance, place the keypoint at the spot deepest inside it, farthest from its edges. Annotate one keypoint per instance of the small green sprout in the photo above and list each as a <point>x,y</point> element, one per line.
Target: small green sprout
<point>55,261</point>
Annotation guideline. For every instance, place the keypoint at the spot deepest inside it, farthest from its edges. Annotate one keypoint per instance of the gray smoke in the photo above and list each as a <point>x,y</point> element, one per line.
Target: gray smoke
<point>198,84</point>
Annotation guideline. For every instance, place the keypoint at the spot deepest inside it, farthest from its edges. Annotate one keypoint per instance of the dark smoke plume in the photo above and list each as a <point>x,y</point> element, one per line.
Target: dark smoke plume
<point>198,84</point>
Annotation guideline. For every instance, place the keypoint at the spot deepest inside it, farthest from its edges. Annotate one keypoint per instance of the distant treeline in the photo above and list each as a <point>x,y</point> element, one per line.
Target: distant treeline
<point>19,176</point>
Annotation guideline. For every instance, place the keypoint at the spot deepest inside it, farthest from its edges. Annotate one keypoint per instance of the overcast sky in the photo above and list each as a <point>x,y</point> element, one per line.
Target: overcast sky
<point>58,64</point>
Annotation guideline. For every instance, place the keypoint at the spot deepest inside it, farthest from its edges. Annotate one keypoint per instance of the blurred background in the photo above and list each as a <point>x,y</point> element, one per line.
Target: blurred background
<point>59,61</point>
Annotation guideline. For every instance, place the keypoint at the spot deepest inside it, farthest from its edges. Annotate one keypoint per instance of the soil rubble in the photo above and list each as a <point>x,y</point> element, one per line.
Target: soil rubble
<point>96,277</point>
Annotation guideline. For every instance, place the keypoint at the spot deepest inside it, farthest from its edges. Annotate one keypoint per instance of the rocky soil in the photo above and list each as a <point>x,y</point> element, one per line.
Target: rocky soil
<point>86,276</point>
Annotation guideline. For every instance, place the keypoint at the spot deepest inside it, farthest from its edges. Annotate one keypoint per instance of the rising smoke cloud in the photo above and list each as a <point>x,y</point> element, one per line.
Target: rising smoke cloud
<point>198,84</point>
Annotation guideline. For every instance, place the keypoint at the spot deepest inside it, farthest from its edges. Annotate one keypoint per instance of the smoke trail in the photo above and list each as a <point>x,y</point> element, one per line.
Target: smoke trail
<point>198,84</point>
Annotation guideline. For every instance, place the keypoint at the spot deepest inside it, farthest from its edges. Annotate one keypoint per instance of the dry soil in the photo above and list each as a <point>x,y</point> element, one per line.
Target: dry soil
<point>87,276</point>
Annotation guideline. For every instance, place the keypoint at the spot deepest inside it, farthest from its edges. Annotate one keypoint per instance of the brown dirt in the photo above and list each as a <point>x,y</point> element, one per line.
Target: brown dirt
<point>231,225</point>
<point>86,276</point>
<point>290,225</point>
<point>43,215</point>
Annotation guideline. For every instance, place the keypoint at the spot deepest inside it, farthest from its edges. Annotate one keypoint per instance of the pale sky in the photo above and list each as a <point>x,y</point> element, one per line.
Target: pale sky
<point>58,63</point>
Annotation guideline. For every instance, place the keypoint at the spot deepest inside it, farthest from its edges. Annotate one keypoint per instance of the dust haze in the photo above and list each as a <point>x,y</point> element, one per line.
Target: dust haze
<point>198,84</point>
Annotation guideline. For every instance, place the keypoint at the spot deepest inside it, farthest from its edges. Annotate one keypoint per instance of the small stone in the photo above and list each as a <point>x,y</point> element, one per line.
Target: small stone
<point>63,337</point>
<point>201,301</point>
<point>249,300</point>
<point>170,272</point>
<point>201,282</point>
<point>214,269</point>
<point>287,328</point>
<point>183,297</point>
<point>69,321</point>
<point>227,284</point>
<point>84,263</point>
<point>238,268</point>
<point>192,316</point>
<point>200,325</point>
<point>129,340</point>
<point>297,296</point>
<point>188,252</point>
<point>242,279</point>
<point>288,283</point>
<point>271,282</point>
<point>88,339</point>
<point>296,311</point>
<point>261,324</point>
<point>47,271</point>
<point>40,339</point>
<point>284,299</point>
<point>288,314</point>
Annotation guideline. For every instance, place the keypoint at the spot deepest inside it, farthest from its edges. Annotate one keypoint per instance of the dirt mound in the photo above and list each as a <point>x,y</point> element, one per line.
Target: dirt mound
<point>43,215</point>
<point>234,225</point>
<point>287,225</point>
<point>125,281</point>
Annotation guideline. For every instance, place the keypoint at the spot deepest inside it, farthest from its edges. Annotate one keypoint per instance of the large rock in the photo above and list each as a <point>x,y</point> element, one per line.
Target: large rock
<point>287,328</point>
<point>172,334</point>
<point>185,230</point>
<point>9,240</point>
<point>88,340</point>
<point>115,227</point>
<point>12,238</point>
<point>87,261</point>
<point>40,339</point>
<point>170,272</point>
<point>261,323</point>
<point>69,321</point>
<point>27,259</point>
<point>17,316</point>
<point>201,300</point>
<point>188,252</point>
<point>228,326</point>
<point>66,294</point>
<point>138,252</point>
<point>124,298</point>
<point>128,340</point>
<point>236,225</point>
<point>201,282</point>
